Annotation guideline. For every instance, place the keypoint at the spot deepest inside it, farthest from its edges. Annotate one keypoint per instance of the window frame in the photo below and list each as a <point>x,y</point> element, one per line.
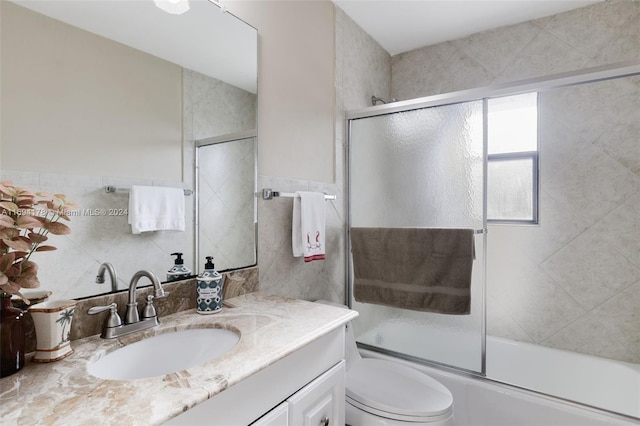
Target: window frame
<point>534,156</point>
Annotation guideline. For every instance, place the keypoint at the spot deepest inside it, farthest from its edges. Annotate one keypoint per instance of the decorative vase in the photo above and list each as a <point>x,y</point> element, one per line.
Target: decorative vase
<point>52,320</point>
<point>11,337</point>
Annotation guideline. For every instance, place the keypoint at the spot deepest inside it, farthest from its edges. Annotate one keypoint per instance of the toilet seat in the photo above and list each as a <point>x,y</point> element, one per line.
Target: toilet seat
<point>396,391</point>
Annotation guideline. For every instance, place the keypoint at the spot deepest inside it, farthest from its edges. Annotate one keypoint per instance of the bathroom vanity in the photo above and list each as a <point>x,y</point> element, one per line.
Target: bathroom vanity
<point>287,368</point>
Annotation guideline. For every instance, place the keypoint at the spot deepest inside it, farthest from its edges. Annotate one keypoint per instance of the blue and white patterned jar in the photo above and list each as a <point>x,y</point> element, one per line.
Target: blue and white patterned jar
<point>209,288</point>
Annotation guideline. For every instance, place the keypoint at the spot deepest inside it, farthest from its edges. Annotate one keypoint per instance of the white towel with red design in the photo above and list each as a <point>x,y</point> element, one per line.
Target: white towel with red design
<point>308,228</point>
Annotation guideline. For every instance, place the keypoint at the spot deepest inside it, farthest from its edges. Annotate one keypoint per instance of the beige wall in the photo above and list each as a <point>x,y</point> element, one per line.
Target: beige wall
<point>296,86</point>
<point>77,103</point>
<point>362,69</point>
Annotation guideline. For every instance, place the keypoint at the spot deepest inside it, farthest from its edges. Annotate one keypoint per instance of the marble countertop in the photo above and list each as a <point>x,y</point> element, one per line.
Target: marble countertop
<point>63,393</point>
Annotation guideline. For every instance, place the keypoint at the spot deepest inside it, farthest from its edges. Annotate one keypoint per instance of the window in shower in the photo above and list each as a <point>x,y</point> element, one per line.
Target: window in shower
<point>512,169</point>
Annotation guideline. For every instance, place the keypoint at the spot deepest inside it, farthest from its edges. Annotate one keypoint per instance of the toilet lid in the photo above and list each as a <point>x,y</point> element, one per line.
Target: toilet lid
<point>396,389</point>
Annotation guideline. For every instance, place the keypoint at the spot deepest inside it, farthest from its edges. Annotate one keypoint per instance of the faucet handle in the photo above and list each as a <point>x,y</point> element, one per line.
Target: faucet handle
<point>113,320</point>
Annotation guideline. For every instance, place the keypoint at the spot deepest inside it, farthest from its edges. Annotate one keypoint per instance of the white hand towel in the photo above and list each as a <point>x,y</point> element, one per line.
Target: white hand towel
<point>309,221</point>
<point>154,208</point>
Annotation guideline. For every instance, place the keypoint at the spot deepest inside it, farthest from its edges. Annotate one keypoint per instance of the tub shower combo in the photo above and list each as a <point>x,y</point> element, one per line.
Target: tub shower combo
<point>545,176</point>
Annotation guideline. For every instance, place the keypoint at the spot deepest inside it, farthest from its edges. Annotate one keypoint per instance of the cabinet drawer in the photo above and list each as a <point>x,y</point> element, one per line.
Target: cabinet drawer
<point>279,416</point>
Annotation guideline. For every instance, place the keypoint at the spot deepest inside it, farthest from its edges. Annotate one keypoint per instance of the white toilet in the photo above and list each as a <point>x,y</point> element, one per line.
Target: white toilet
<point>386,393</point>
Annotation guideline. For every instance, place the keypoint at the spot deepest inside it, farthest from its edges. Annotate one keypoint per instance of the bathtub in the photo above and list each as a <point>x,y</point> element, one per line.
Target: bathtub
<point>492,401</point>
<point>600,382</point>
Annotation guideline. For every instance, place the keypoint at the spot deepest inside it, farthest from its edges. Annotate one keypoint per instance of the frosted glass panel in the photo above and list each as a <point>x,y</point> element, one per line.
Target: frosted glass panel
<point>418,168</point>
<point>513,123</point>
<point>421,168</point>
<point>510,189</point>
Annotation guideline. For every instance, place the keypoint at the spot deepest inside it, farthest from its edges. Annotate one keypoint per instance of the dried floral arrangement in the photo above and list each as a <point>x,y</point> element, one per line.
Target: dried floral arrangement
<point>26,220</point>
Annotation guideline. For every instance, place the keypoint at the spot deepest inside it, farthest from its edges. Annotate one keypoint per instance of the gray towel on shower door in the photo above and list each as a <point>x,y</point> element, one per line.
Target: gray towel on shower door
<point>422,269</point>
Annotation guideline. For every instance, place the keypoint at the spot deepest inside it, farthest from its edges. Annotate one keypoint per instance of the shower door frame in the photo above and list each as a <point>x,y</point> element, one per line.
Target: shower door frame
<point>555,81</point>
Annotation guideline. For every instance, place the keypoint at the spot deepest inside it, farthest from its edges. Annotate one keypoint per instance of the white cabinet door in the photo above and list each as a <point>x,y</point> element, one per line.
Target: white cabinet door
<point>279,416</point>
<point>321,402</point>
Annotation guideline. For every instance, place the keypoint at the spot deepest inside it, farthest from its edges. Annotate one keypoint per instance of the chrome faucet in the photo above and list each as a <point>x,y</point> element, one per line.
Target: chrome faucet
<point>107,267</point>
<point>149,311</point>
<point>113,326</point>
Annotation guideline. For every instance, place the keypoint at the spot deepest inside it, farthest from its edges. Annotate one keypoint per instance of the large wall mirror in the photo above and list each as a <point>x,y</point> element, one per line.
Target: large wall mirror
<point>118,93</point>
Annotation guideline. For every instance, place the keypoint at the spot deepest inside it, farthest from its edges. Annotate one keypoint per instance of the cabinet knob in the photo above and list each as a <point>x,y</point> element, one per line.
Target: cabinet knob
<point>324,421</point>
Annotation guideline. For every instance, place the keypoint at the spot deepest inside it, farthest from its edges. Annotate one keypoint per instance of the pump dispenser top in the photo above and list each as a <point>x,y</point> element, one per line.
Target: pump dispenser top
<point>209,269</point>
<point>209,264</point>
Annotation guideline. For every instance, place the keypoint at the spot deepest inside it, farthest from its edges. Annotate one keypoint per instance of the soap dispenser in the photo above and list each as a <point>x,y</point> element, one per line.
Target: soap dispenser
<point>178,271</point>
<point>209,289</point>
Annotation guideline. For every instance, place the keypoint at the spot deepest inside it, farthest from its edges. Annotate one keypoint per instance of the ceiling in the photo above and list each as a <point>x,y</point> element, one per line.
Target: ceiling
<point>403,25</point>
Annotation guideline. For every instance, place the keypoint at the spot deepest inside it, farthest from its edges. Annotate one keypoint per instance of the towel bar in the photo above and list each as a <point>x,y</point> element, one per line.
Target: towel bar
<point>111,188</point>
<point>268,194</point>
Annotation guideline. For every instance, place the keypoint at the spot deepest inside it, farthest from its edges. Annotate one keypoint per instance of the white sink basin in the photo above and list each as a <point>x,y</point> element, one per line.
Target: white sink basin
<point>164,354</point>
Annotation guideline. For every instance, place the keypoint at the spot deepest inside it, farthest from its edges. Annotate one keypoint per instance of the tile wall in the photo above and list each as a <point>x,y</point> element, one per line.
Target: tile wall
<point>100,233</point>
<point>573,282</point>
<point>604,33</point>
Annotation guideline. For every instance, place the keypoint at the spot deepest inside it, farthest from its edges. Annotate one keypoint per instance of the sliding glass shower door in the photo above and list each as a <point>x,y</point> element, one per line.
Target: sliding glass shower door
<point>422,168</point>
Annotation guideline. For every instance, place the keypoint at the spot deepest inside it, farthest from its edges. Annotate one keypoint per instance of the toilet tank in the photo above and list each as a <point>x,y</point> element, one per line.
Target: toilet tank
<point>352,355</point>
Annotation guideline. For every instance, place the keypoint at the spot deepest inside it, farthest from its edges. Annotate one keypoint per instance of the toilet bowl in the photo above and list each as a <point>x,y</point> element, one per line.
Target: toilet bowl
<point>386,393</point>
